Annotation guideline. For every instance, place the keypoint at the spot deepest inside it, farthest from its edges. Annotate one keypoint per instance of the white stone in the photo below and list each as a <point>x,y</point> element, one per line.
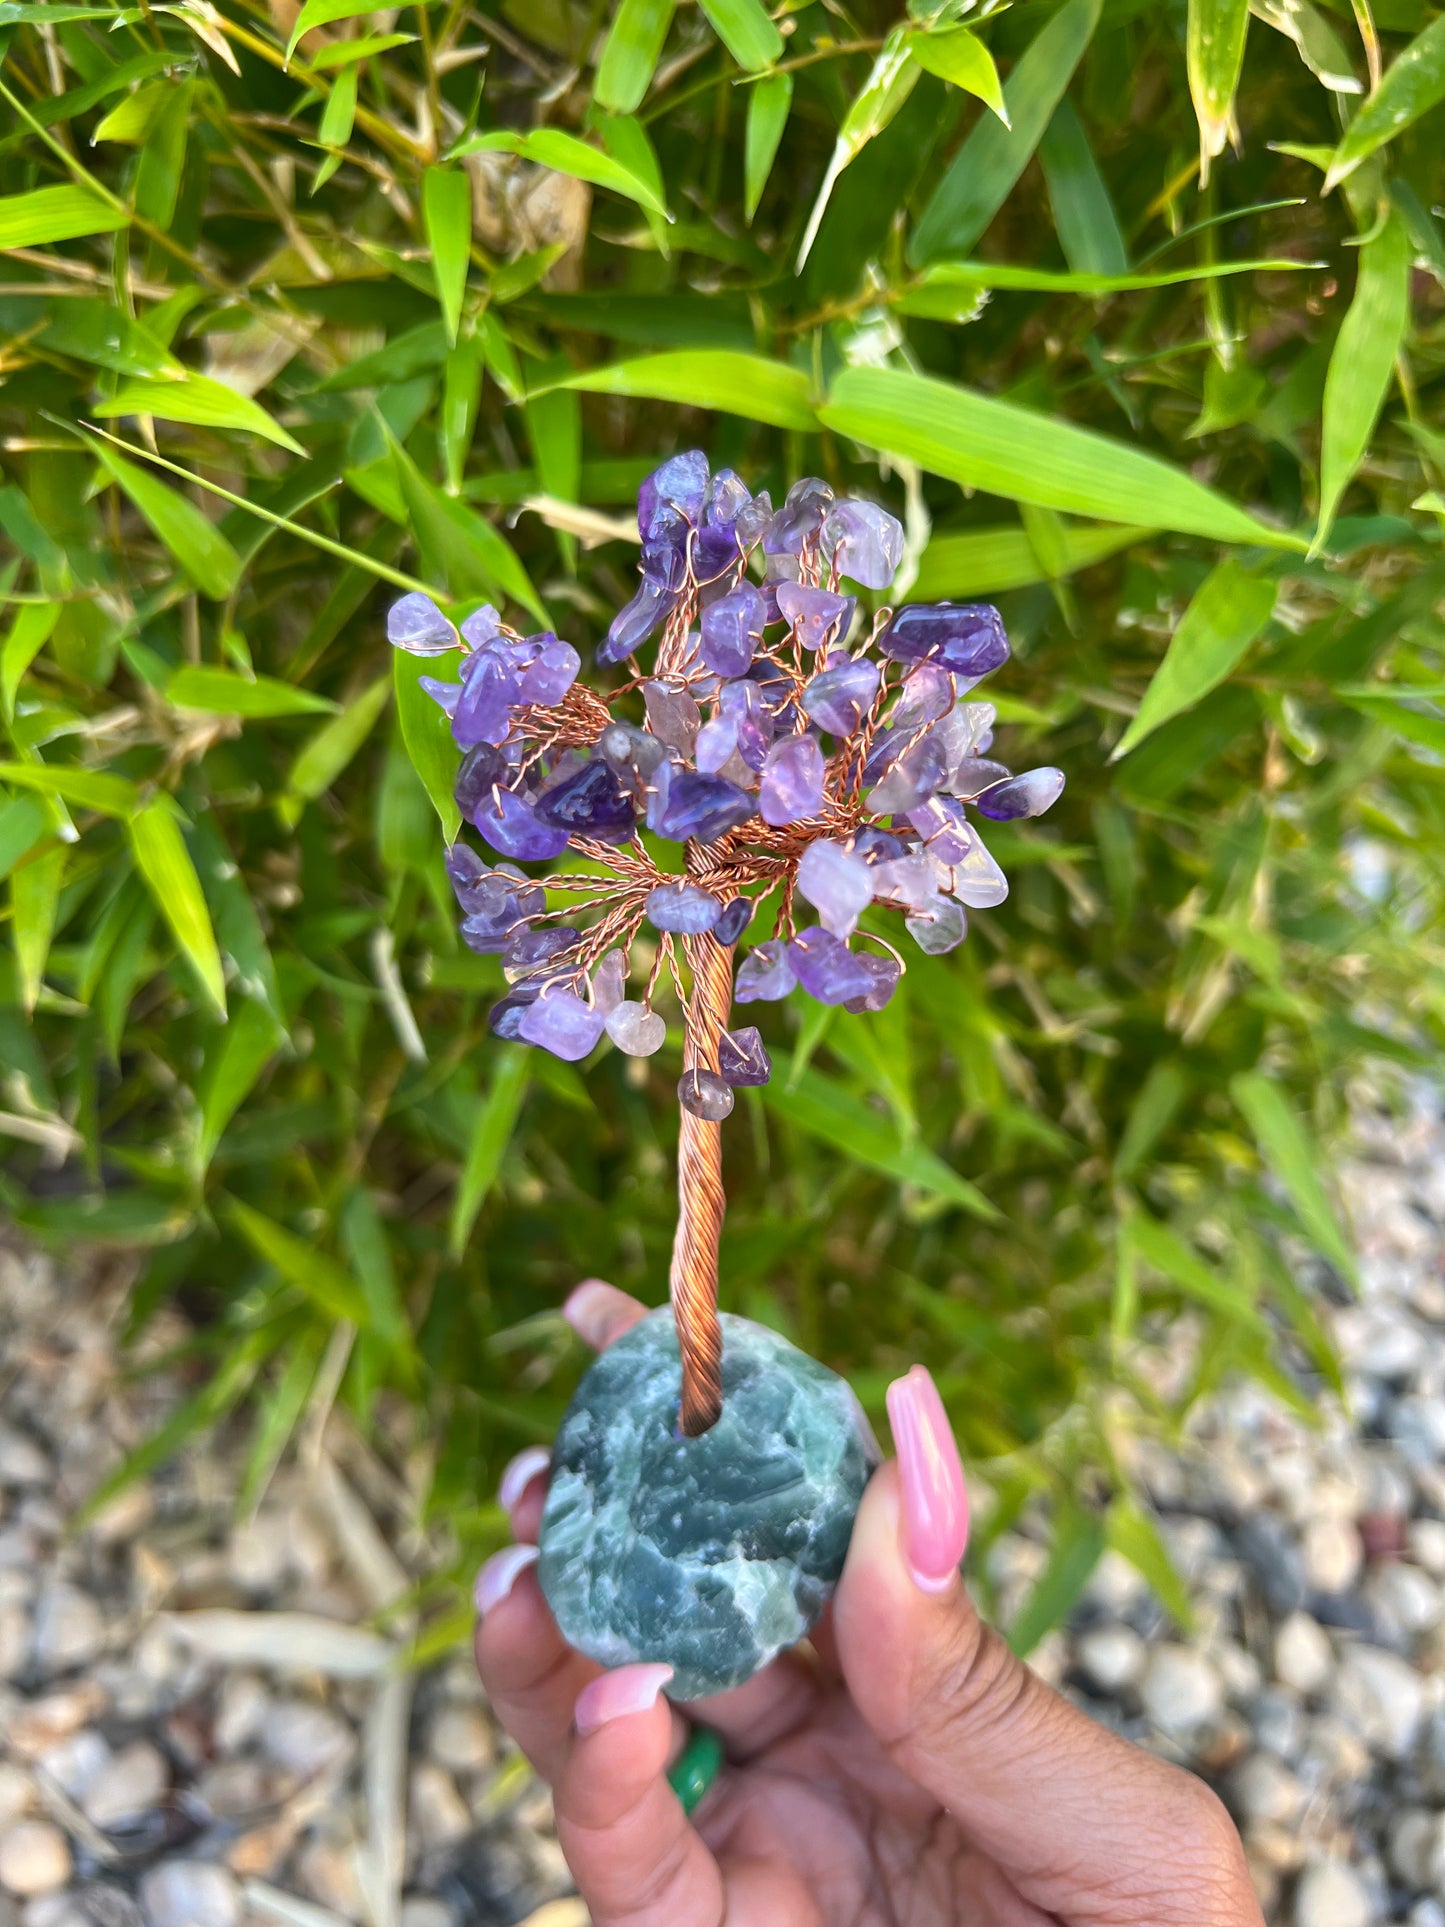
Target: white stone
<point>15,1639</point>
<point>241,1711</point>
<point>69,1629</point>
<point>22,1463</point>
<point>1111,1658</point>
<point>439,1815</point>
<point>1404,1598</point>
<point>1383,1699</point>
<point>1114,1585</point>
<point>16,1792</point>
<point>34,1858</point>
<point>1414,1847</point>
<point>1181,1691</point>
<point>132,1781</point>
<point>1331,1894</point>
<point>258,1555</point>
<point>1332,1554</point>
<point>327,1872</point>
<point>1427,1545</point>
<point>1303,1656</point>
<point>190,1893</point>
<point>425,1910</point>
<point>1426,1913</point>
<point>75,1761</point>
<point>1239,1671</point>
<point>461,1738</point>
<point>1265,1789</point>
<point>306,1738</point>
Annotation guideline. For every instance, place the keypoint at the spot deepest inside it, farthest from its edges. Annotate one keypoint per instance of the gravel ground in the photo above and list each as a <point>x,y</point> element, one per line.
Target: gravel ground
<point>197,1729</point>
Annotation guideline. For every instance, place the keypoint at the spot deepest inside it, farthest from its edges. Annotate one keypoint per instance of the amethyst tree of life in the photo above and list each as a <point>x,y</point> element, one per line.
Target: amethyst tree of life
<point>811,765</point>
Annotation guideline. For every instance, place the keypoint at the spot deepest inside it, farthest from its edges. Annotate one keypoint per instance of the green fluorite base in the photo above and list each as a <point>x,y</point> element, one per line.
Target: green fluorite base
<point>711,1554</point>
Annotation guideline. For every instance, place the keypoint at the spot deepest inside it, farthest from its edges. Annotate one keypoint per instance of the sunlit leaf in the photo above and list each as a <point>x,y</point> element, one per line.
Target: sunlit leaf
<point>1228,613</point>
<point>991,160</point>
<point>631,53</point>
<point>1413,83</point>
<point>565,154</point>
<point>985,443</point>
<point>49,214</point>
<point>1214,51</point>
<point>447,207</point>
<point>200,401</point>
<point>1363,361</point>
<point>736,384</point>
<point>744,28</point>
<point>223,693</point>
<point>163,860</point>
<point>34,900</point>
<point>1295,1160</point>
<point>770,101</point>
<point>315,1275</point>
<point>198,545</point>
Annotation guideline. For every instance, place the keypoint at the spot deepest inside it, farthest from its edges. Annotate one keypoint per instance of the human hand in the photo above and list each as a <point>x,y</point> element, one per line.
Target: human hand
<point>911,1770</point>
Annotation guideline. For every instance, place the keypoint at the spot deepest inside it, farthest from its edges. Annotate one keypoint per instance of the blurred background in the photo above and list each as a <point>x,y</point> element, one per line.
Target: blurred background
<point>1134,313</point>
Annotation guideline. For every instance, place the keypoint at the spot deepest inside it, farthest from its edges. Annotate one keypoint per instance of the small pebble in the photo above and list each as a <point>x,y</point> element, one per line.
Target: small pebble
<point>190,1893</point>
<point>1303,1656</point>
<point>130,1782</point>
<point>1182,1692</point>
<point>1112,1658</point>
<point>1331,1894</point>
<point>460,1737</point>
<point>34,1858</point>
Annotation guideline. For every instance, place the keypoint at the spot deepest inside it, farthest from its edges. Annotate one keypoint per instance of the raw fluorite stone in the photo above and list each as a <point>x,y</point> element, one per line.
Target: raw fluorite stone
<point>710,1554</point>
<point>734,920</point>
<point>837,882</point>
<point>865,542</point>
<point>682,907</point>
<point>765,976</point>
<point>966,637</point>
<point>836,699</point>
<point>742,1057</point>
<point>636,1030</point>
<point>731,627</point>
<point>792,785</point>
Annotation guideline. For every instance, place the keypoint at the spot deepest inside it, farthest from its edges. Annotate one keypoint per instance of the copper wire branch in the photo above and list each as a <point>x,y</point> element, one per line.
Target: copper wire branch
<point>700,1199</point>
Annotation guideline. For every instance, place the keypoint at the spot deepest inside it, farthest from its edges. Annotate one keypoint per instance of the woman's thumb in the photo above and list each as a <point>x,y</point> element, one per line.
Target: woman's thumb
<point>1064,1806</point>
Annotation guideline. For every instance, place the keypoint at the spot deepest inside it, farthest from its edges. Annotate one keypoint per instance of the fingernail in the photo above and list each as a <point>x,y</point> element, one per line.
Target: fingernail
<point>520,1474</point>
<point>498,1576</point>
<point>612,1696</point>
<point>587,1309</point>
<point>935,1499</point>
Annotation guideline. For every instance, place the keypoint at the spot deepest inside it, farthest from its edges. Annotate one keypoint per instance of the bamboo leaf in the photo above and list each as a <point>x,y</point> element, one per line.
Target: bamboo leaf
<point>1292,1155</point>
<point>326,754</point>
<point>87,789</point>
<point>984,443</point>
<point>565,154</point>
<point>745,30</point>
<point>34,903</point>
<point>1362,362</point>
<point>50,214</point>
<point>987,561</point>
<point>321,13</point>
<point>198,545</point>
<point>222,693</point>
<point>1214,56</point>
<point>826,1110</point>
<point>29,633</point>
<point>1228,613</point>
<point>23,822</point>
<point>986,167</point>
<point>1079,1540</point>
<point>891,80</point>
<point>950,289</point>
<point>1412,85</point>
<point>427,732</point>
<point>958,56</point>
<point>163,159</point>
<point>300,1262</point>
<point>199,401</point>
<point>1084,216</point>
<point>1168,1254</point>
<point>769,102</point>
<point>459,547</point>
<point>165,863</point>
<point>735,384</point>
<point>235,1061</point>
<point>338,116</point>
<point>447,210</point>
<point>496,1119</point>
<point>631,53</point>
<point>1320,47</point>
<point>1135,1537</point>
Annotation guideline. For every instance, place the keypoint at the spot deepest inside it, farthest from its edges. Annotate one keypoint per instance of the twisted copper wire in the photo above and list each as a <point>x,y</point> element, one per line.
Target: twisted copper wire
<point>700,1200</point>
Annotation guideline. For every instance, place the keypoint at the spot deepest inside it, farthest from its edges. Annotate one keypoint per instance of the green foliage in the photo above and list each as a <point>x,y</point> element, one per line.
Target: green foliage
<point>291,326</point>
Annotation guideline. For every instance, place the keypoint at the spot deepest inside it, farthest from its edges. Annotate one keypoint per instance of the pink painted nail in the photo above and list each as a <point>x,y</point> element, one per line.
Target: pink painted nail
<point>935,1499</point>
<point>498,1576</point>
<point>612,1696</point>
<point>599,1312</point>
<point>520,1474</point>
